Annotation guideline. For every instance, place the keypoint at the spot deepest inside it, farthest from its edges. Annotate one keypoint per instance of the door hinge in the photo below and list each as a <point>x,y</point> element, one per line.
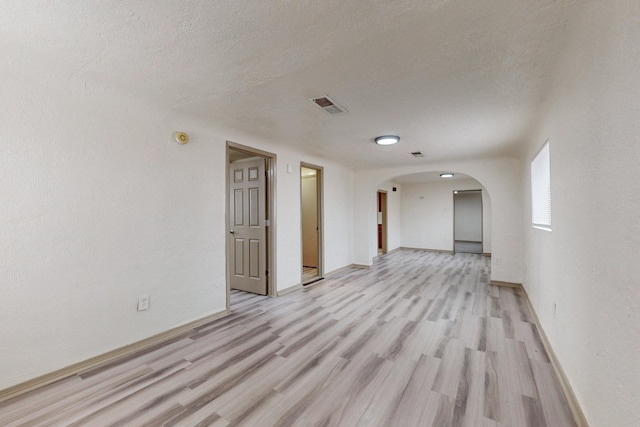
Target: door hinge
<point>266,174</point>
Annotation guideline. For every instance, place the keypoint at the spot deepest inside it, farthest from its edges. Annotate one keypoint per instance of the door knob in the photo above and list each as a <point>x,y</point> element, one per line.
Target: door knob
<point>231,231</point>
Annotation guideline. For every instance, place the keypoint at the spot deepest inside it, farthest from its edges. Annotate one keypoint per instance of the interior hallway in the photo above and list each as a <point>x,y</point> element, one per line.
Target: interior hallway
<point>420,339</point>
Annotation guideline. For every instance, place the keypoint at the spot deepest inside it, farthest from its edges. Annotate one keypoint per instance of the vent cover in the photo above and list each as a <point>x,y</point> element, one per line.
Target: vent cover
<point>328,105</point>
<point>417,154</point>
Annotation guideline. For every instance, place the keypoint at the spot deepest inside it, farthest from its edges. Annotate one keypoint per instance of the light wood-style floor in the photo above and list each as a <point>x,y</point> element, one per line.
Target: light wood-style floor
<point>309,274</point>
<point>421,339</point>
<point>467,247</point>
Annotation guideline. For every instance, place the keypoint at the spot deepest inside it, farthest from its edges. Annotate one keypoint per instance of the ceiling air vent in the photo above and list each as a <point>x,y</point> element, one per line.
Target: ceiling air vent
<point>328,105</point>
<point>417,154</point>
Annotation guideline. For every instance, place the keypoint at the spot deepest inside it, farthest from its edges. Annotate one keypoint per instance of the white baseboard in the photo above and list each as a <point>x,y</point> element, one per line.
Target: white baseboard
<point>338,270</point>
<point>361,266</point>
<point>290,289</point>
<point>506,284</point>
<point>576,410</point>
<point>105,358</point>
<point>427,250</point>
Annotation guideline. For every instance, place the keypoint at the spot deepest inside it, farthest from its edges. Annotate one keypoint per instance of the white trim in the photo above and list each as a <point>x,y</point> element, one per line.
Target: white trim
<point>289,289</point>
<point>107,357</point>
<point>540,169</point>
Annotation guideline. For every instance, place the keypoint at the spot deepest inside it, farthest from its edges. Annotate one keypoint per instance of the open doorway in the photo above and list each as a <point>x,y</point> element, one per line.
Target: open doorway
<point>467,221</point>
<point>382,222</point>
<point>311,222</point>
<point>250,221</point>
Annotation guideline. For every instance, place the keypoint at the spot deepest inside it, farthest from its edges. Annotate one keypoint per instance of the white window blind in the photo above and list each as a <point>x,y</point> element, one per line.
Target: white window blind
<point>541,188</point>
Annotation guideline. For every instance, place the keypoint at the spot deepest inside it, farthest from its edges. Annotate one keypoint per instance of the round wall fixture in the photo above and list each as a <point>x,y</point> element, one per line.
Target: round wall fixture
<point>181,137</point>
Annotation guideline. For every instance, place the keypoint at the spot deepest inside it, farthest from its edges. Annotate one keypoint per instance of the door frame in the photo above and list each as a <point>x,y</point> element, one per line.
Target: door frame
<point>382,199</point>
<point>453,200</point>
<point>270,202</point>
<point>320,207</point>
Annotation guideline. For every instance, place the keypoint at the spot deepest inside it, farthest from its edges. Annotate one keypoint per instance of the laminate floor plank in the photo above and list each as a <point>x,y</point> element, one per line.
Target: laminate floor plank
<point>528,334</point>
<point>419,339</point>
<point>409,405</point>
<point>495,335</point>
<point>300,395</point>
<point>554,404</point>
<point>36,400</point>
<point>76,401</point>
<point>492,401</point>
<point>520,365</point>
<point>470,399</point>
<point>386,399</point>
<point>448,378</point>
<point>511,406</point>
<point>346,399</point>
<point>124,408</point>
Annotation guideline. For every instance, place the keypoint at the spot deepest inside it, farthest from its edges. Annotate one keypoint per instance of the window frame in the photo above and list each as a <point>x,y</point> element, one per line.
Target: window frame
<point>540,169</point>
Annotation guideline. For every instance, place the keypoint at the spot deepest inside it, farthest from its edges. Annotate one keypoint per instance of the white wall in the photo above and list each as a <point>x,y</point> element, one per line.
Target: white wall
<point>588,264</point>
<point>338,215</point>
<point>98,207</point>
<point>427,214</point>
<point>500,177</point>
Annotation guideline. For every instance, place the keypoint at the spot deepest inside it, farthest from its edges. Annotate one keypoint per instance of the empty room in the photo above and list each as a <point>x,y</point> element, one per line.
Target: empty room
<point>320,213</point>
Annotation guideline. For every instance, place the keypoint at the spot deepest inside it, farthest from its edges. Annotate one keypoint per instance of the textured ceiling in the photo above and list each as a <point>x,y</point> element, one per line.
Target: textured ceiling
<point>455,79</point>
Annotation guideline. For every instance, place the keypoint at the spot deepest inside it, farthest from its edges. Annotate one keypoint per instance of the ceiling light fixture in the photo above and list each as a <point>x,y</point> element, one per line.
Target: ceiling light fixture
<point>387,139</point>
<point>446,175</point>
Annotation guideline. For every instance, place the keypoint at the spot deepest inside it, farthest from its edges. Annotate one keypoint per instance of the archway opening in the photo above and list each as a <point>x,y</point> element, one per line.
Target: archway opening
<point>424,206</point>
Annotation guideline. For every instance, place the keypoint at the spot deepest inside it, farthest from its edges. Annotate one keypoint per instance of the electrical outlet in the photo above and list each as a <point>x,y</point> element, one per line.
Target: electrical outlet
<point>498,261</point>
<point>143,302</point>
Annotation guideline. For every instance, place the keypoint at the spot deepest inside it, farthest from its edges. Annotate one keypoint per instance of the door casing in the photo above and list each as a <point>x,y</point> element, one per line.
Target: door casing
<point>320,204</point>
<point>481,217</point>
<point>381,202</point>
<point>270,201</point>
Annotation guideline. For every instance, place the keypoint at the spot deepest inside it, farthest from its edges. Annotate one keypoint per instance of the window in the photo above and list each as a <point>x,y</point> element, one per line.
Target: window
<point>541,189</point>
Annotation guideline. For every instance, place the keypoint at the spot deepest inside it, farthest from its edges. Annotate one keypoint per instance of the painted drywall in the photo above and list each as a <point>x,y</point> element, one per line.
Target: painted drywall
<point>587,266</point>
<point>337,187</point>
<point>427,214</point>
<point>99,206</point>
<point>337,214</point>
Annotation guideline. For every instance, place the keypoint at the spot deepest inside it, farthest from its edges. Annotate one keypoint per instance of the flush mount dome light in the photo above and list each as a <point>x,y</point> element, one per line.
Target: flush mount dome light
<point>446,175</point>
<point>387,139</point>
